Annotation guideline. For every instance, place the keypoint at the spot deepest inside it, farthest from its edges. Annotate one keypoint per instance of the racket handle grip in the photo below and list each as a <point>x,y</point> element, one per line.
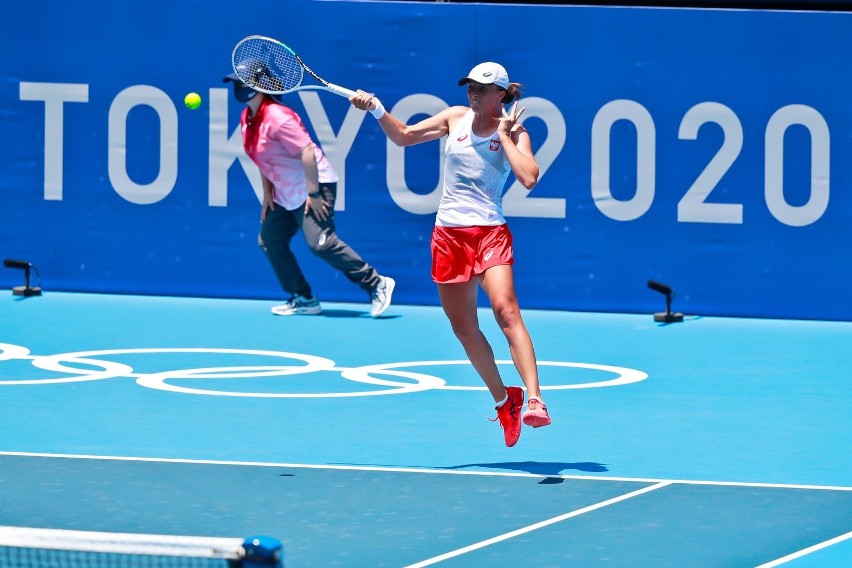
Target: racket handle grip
<point>338,90</point>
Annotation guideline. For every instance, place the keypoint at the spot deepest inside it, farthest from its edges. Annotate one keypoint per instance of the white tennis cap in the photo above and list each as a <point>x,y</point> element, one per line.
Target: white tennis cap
<point>486,73</point>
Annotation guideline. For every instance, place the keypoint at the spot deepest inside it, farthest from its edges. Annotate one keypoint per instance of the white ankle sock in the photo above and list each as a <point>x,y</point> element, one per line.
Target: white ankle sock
<point>504,401</point>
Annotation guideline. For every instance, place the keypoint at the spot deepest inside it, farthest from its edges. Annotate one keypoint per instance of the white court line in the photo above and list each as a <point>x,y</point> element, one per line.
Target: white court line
<point>536,526</point>
<point>806,551</point>
<point>434,471</point>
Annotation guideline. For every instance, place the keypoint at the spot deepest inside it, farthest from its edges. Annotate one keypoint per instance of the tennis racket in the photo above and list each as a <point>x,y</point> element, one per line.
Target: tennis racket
<point>269,66</point>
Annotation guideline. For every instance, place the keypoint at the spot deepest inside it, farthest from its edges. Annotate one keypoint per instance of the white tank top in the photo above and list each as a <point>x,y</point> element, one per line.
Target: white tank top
<point>475,171</point>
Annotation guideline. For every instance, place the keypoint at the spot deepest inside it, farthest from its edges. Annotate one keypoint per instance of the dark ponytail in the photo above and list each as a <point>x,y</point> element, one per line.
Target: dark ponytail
<point>513,93</point>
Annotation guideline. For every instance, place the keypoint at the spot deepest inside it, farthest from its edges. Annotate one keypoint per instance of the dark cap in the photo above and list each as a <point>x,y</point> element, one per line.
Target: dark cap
<point>254,67</point>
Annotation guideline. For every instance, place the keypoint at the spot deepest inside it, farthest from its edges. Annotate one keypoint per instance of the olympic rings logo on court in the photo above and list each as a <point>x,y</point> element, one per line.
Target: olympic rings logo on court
<point>71,365</point>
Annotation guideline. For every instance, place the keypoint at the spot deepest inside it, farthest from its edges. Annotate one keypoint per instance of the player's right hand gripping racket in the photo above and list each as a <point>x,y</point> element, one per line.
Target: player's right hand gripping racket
<point>269,66</point>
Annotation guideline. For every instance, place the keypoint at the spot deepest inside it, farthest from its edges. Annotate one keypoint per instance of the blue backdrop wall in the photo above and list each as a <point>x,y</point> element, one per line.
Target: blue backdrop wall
<point>707,149</point>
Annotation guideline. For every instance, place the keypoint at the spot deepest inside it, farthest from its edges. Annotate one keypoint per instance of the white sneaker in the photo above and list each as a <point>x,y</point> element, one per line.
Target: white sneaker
<point>298,305</point>
<point>382,296</point>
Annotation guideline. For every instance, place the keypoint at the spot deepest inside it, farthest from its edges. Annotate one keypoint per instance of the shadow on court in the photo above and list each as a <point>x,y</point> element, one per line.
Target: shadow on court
<point>532,467</point>
<point>536,468</point>
<point>343,314</point>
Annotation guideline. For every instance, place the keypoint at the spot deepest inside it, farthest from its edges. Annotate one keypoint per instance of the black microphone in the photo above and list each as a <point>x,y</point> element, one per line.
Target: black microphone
<point>24,290</point>
<point>658,287</point>
<point>12,263</point>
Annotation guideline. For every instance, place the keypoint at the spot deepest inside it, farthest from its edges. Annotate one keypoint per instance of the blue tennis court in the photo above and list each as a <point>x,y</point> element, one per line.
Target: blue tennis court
<point>361,442</point>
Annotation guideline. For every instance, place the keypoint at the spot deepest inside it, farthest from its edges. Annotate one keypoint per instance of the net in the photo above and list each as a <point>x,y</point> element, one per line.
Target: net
<point>22,547</point>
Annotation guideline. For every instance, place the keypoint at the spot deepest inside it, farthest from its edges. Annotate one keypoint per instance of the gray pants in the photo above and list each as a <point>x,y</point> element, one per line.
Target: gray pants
<point>278,230</point>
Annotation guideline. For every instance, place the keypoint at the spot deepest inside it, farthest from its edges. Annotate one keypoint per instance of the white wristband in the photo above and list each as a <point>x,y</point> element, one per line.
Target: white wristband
<point>379,111</point>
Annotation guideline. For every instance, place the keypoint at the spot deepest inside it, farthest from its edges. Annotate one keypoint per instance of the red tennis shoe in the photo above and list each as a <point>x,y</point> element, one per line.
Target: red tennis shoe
<point>509,415</point>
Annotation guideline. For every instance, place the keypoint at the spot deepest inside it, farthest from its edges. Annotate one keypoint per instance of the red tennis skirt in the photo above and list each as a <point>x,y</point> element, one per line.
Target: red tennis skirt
<point>460,253</point>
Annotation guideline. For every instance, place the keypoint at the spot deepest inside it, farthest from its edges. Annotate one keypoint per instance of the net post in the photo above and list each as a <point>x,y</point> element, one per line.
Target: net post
<point>262,552</point>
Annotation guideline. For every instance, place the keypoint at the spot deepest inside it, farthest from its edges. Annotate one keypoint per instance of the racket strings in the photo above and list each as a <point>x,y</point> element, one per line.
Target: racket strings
<point>267,66</point>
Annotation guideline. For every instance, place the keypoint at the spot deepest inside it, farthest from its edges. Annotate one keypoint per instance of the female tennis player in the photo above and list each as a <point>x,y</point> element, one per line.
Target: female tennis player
<point>471,242</point>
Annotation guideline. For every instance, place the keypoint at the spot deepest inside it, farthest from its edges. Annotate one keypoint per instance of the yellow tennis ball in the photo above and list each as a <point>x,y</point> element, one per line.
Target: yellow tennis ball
<point>192,100</point>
